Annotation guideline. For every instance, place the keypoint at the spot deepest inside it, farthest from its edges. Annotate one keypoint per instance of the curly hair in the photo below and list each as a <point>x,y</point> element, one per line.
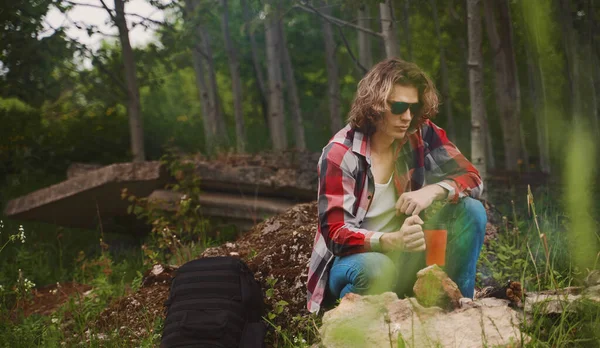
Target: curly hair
<point>370,103</point>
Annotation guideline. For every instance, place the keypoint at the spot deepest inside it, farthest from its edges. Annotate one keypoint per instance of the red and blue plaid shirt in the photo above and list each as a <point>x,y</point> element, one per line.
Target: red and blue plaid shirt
<point>346,188</point>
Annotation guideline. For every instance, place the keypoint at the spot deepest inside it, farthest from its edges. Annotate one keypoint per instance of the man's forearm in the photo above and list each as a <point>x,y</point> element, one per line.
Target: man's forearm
<point>437,192</point>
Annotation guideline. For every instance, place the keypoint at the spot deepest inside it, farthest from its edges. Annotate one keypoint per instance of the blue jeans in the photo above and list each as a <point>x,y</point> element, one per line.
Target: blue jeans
<point>373,272</point>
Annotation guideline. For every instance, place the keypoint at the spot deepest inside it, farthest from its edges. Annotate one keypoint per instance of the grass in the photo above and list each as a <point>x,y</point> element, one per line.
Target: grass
<point>113,267</point>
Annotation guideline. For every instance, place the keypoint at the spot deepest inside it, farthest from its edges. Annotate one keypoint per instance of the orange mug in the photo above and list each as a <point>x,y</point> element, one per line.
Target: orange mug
<point>435,243</point>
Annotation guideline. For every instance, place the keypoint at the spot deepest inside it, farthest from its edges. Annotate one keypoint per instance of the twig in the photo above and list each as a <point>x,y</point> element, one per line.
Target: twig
<point>84,48</point>
<point>360,66</point>
<point>337,21</point>
<point>332,20</point>
<point>112,16</point>
<point>99,219</point>
<point>105,7</point>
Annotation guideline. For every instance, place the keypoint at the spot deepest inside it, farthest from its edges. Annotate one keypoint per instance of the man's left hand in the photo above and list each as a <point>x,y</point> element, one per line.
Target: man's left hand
<point>412,203</point>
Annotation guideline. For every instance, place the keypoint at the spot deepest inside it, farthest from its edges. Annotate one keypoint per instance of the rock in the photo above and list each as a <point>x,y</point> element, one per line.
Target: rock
<point>569,299</point>
<point>384,321</point>
<point>158,274</point>
<point>434,288</point>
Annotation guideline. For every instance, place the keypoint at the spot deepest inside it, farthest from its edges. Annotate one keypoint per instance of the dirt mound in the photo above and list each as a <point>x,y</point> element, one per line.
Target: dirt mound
<point>133,316</point>
<point>279,247</point>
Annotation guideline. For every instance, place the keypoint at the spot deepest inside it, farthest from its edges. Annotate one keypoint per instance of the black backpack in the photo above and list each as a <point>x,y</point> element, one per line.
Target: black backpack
<point>214,302</point>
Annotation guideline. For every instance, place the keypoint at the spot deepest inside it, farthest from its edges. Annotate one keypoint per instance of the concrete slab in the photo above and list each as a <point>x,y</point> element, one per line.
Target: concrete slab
<point>79,200</point>
<point>235,207</point>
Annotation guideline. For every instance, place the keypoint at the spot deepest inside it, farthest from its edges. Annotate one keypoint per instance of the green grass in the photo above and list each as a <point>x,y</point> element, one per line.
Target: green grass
<point>52,254</point>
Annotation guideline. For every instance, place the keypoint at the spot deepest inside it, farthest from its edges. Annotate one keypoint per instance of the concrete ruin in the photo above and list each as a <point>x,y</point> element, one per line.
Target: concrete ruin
<point>88,197</point>
<point>242,189</point>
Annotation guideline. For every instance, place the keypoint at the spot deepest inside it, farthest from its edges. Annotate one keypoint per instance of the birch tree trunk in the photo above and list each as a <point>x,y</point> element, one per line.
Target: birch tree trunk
<point>199,63</point>
<point>365,57</point>
<point>236,83</point>
<point>406,29</point>
<point>388,29</point>
<point>136,129</point>
<point>292,90</point>
<point>258,71</point>
<point>333,80</point>
<point>507,90</point>
<point>275,91</point>
<point>220,135</point>
<point>475,64</point>
<point>447,98</point>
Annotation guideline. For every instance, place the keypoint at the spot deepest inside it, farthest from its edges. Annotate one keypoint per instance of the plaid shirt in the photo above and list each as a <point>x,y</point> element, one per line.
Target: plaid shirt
<point>346,188</point>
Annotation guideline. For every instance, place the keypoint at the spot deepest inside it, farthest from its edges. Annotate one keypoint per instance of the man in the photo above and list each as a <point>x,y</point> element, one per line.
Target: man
<point>375,176</point>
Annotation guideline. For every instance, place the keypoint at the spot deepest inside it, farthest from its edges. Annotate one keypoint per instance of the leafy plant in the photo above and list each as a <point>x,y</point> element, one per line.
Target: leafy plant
<point>178,230</point>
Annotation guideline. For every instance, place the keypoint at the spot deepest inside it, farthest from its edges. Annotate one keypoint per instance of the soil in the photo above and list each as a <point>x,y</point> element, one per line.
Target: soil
<point>45,300</point>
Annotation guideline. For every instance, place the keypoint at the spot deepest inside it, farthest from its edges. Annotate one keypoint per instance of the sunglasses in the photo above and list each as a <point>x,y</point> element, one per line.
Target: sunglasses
<point>398,108</point>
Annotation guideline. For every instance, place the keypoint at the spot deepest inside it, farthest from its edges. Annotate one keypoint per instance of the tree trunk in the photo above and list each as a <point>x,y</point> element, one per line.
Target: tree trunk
<point>204,93</point>
<point>258,71</point>
<point>508,95</point>
<point>333,79</point>
<point>220,135</point>
<point>406,28</point>
<point>447,99</point>
<point>591,67</point>
<point>136,128</point>
<point>595,77</point>
<point>388,28</point>
<point>365,57</point>
<point>540,116</point>
<point>476,87</point>
<point>489,148</point>
<point>571,55</point>
<point>292,90</point>
<point>236,82</point>
<point>275,92</point>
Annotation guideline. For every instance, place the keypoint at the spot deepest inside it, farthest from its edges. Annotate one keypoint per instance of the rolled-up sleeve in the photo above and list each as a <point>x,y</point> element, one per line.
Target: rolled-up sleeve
<point>449,167</point>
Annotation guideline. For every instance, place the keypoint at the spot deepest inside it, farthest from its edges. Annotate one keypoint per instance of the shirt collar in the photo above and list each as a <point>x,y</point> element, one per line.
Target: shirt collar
<point>361,145</point>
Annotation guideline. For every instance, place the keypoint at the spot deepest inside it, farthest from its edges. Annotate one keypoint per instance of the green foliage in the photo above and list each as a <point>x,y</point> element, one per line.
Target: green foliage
<point>301,332</point>
<point>177,236</point>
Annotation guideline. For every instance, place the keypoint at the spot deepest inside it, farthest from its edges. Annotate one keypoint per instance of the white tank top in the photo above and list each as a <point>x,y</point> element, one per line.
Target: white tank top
<point>381,216</point>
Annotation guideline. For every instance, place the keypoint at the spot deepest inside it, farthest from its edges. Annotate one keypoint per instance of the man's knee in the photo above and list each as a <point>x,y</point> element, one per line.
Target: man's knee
<point>474,211</point>
<point>369,272</point>
<point>377,275</point>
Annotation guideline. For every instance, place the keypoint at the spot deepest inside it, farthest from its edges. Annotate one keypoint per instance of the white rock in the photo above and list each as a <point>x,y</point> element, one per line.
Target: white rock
<point>359,321</point>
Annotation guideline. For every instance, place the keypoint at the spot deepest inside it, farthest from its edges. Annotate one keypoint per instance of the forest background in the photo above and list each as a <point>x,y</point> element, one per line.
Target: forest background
<point>519,83</point>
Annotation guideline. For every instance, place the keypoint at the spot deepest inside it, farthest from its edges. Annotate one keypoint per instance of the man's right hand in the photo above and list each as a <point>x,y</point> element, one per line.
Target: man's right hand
<point>410,237</point>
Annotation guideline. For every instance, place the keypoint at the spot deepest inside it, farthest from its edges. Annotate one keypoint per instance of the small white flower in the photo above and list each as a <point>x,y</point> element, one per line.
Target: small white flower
<point>54,320</point>
<point>28,284</point>
<point>21,234</point>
